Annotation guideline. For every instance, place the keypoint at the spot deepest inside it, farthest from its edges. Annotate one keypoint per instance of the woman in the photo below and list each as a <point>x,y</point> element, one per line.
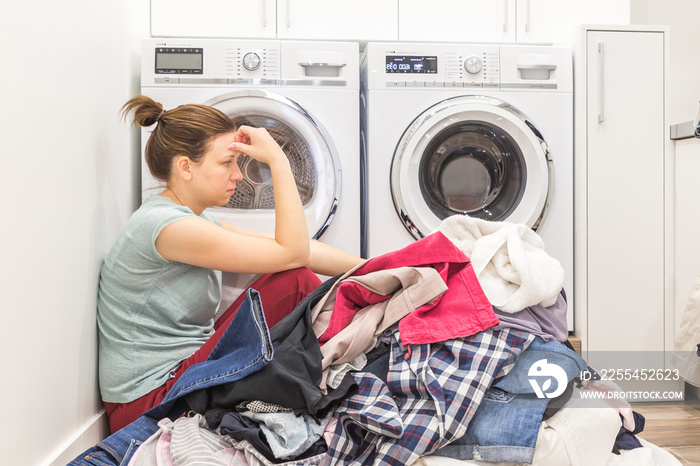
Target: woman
<point>160,284</point>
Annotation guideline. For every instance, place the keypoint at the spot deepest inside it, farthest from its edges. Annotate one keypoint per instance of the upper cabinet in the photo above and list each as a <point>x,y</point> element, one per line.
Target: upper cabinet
<point>457,21</point>
<point>538,21</point>
<point>532,21</point>
<point>559,21</point>
<point>214,18</point>
<point>357,20</point>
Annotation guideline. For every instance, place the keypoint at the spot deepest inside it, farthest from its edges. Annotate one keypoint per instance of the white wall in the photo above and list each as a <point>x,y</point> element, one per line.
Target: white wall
<point>683,16</point>
<point>69,164</point>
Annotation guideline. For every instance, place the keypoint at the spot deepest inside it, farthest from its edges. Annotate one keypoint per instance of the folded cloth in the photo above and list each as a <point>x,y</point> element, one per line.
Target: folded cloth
<point>461,310</point>
<point>509,260</point>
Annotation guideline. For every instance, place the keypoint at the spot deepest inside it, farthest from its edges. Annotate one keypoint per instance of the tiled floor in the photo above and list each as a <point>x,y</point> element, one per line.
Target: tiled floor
<point>674,427</point>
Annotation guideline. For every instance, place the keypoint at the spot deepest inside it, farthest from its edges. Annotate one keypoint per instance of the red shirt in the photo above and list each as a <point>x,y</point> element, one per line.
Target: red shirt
<point>461,311</point>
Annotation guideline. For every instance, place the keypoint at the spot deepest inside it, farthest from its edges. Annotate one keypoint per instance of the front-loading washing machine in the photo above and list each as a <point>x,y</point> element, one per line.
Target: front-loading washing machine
<point>304,93</point>
<point>479,129</point>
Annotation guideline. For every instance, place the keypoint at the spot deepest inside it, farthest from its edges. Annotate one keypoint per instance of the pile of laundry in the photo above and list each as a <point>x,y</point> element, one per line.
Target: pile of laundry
<point>450,351</point>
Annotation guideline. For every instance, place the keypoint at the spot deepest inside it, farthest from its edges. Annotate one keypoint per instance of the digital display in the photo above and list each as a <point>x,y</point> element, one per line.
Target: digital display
<point>411,64</point>
<point>179,60</point>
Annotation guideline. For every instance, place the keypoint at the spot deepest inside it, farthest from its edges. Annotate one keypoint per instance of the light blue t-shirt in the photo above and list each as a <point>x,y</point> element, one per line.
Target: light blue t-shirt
<point>151,313</point>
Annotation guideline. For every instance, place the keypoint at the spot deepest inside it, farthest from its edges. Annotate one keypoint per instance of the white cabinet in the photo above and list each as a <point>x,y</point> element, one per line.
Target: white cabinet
<point>214,18</point>
<point>624,192</point>
<point>541,21</point>
<point>357,20</point>
<point>457,21</point>
<point>558,21</point>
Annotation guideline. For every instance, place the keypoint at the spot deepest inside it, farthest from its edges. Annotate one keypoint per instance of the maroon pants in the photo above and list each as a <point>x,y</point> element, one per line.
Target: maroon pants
<point>280,293</point>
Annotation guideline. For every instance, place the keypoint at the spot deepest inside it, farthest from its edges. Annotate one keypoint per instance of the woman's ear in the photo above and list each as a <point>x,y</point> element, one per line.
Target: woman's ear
<point>183,167</point>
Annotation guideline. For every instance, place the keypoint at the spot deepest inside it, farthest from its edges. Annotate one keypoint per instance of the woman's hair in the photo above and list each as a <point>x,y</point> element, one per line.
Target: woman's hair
<point>184,130</point>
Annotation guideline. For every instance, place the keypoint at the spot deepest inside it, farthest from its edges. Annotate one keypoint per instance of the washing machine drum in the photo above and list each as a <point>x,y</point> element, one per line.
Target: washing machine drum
<point>311,153</point>
<point>472,155</point>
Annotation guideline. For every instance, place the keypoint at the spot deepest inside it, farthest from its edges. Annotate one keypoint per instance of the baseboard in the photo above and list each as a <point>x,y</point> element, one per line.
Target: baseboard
<point>96,430</point>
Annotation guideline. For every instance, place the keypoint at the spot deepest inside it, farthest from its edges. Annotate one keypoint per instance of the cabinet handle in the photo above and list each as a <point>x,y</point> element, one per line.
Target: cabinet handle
<point>289,14</point>
<point>505,15</point>
<point>527,19</point>
<point>601,82</point>
<point>264,13</point>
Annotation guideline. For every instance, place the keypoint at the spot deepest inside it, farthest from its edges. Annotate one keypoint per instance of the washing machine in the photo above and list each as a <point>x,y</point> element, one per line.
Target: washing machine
<point>304,93</point>
<point>479,129</point>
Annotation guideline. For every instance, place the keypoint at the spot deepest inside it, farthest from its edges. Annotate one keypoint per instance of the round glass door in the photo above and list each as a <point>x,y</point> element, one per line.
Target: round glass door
<point>312,156</point>
<point>471,155</point>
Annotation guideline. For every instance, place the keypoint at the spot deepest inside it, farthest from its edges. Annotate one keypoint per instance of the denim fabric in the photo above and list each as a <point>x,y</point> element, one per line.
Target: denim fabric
<point>506,424</point>
<point>244,349</point>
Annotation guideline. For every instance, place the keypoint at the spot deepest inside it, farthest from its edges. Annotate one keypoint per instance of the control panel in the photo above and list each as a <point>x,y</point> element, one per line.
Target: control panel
<point>401,65</point>
<point>204,61</point>
<point>249,62</point>
<point>424,65</point>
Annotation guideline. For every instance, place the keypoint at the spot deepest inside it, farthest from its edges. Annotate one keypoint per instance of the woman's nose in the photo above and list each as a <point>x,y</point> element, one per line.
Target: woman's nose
<point>236,174</point>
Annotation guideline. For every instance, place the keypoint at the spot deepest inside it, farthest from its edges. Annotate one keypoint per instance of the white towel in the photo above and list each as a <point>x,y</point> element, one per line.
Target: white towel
<point>510,261</point>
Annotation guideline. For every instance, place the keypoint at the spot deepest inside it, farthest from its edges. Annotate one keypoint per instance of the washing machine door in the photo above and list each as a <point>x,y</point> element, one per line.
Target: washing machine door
<point>472,155</point>
<point>313,158</point>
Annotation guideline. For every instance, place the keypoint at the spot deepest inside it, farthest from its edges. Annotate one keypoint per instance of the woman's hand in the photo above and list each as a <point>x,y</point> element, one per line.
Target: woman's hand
<point>258,143</point>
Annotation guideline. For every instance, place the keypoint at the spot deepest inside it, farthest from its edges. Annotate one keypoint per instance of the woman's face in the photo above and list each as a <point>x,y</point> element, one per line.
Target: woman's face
<point>215,176</point>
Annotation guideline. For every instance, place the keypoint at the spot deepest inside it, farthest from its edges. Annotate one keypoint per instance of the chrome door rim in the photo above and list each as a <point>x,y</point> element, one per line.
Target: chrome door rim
<point>414,213</point>
<point>324,214</point>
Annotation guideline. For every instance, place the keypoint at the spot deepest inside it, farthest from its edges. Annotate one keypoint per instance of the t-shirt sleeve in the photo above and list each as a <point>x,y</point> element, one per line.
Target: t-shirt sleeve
<point>163,215</point>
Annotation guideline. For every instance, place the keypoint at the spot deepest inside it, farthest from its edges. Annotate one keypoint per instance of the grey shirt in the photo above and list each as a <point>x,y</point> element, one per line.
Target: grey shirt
<point>546,322</point>
<point>152,313</point>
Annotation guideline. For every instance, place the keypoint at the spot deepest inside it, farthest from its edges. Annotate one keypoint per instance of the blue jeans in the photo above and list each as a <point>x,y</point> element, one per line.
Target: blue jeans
<point>244,349</point>
<point>506,424</point>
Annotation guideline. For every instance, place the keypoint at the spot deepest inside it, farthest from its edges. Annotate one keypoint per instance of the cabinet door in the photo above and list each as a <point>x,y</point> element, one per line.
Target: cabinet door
<point>625,169</point>
<point>558,21</point>
<point>358,20</point>
<point>213,18</point>
<point>457,20</point>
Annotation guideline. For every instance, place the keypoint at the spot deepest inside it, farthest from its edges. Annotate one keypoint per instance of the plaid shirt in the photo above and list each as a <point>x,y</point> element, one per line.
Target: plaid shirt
<point>432,393</point>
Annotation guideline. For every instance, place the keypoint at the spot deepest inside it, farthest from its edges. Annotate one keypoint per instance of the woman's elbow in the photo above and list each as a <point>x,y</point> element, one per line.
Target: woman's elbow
<point>304,260</point>
<point>298,259</point>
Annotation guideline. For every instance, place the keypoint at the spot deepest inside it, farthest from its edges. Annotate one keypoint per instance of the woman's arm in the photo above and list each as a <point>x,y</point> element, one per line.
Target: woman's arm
<point>234,249</point>
<point>331,261</point>
<point>199,242</point>
<point>290,223</point>
<point>325,259</point>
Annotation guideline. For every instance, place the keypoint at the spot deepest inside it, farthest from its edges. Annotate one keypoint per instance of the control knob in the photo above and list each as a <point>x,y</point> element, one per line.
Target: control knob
<point>472,64</point>
<point>251,61</point>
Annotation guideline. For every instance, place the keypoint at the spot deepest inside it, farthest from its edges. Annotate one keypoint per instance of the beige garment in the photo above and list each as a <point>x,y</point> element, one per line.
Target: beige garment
<point>685,357</point>
<point>409,287</point>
